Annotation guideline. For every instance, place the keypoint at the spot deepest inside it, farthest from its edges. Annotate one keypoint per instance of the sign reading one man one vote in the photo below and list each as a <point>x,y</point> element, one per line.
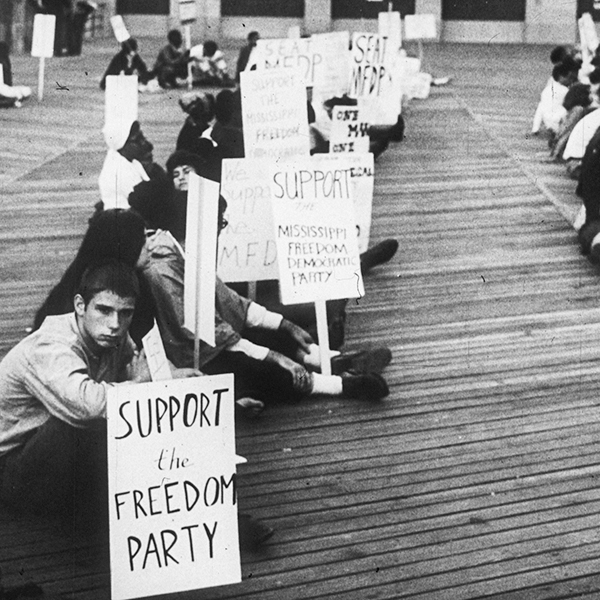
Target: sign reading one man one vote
<point>172,486</point>
<point>246,246</point>
<point>315,230</point>
<point>274,114</point>
<point>349,130</point>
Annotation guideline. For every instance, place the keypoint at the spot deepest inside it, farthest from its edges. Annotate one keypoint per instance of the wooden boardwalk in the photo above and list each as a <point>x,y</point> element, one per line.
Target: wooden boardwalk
<point>478,476</point>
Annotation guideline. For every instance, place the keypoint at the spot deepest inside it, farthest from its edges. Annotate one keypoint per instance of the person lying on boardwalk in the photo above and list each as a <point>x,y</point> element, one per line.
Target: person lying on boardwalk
<point>171,62</point>
<point>53,390</point>
<point>129,161</point>
<point>128,62</point>
<point>269,355</point>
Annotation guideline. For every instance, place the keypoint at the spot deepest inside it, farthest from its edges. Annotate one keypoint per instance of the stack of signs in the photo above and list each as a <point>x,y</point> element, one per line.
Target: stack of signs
<point>246,246</point>
<point>349,130</point>
<point>315,230</point>
<point>274,114</point>
<point>172,486</point>
<point>372,81</point>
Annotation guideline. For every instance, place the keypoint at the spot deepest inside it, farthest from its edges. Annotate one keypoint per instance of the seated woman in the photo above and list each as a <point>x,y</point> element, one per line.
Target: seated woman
<point>209,66</point>
<point>128,62</point>
<point>10,95</point>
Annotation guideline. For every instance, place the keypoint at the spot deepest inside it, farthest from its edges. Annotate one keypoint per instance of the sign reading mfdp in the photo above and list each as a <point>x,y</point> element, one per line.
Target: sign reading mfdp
<point>172,486</point>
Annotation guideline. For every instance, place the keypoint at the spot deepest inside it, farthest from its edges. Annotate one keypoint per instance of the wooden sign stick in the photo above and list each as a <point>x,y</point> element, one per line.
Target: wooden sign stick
<point>323,333</point>
<point>41,78</point>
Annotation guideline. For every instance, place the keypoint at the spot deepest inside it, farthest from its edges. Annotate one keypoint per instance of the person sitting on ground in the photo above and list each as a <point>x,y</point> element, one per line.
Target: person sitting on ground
<point>128,62</point>
<point>578,141</point>
<point>53,391</point>
<point>245,52</point>
<point>200,108</point>
<point>10,95</point>
<point>577,103</point>
<point>129,161</point>
<point>209,66</point>
<point>550,108</point>
<point>171,62</point>
<point>268,354</point>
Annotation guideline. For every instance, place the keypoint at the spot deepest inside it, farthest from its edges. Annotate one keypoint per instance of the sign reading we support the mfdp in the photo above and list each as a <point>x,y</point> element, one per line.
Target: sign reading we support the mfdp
<point>172,486</point>
<point>315,230</point>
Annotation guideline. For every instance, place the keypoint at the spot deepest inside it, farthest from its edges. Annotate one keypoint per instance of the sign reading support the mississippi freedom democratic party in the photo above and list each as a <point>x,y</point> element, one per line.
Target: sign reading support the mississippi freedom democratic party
<point>246,249</point>
<point>172,486</point>
<point>349,130</point>
<point>315,230</point>
<point>274,114</point>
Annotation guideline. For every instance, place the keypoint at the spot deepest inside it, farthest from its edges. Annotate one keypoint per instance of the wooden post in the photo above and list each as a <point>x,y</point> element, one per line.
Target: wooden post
<point>323,333</point>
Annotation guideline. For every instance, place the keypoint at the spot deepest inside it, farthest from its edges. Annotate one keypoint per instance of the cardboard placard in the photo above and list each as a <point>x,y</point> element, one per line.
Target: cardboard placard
<point>294,32</point>
<point>1,74</point>
<point>315,230</point>
<point>349,130</point>
<point>172,488</point>
<point>274,113</point>
<point>119,28</point>
<point>121,99</point>
<point>246,250</point>
<point>42,45</point>
<point>200,257</point>
<point>187,11</point>
<point>368,69</point>
<point>420,27</point>
<point>156,355</point>
<point>332,75</point>
<point>389,25</point>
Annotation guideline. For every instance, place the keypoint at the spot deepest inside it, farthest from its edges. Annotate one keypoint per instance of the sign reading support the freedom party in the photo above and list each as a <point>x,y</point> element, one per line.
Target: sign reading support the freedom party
<point>274,114</point>
<point>246,246</point>
<point>315,230</point>
<point>172,486</point>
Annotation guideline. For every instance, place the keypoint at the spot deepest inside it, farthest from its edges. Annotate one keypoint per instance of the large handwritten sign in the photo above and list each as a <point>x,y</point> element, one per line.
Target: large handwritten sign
<point>246,246</point>
<point>274,113</point>
<point>315,230</point>
<point>368,68</point>
<point>349,130</point>
<point>332,75</point>
<point>172,486</point>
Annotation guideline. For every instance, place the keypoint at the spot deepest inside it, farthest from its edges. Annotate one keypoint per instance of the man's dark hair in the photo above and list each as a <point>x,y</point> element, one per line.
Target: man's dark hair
<point>129,45</point>
<point>558,54</point>
<point>109,276</point>
<point>561,70</point>
<point>253,35</point>
<point>578,95</point>
<point>174,37</point>
<point>210,48</point>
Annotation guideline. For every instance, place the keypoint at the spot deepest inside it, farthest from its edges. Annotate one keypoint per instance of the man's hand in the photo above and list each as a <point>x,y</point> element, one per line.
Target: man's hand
<point>139,371</point>
<point>302,379</point>
<point>301,337</point>
<point>185,373</point>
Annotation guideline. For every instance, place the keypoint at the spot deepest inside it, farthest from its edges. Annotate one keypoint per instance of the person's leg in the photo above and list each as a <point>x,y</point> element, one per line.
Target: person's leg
<point>57,468</point>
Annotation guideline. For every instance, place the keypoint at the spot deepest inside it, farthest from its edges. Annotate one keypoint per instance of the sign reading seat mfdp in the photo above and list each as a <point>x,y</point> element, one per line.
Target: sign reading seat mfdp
<point>172,486</point>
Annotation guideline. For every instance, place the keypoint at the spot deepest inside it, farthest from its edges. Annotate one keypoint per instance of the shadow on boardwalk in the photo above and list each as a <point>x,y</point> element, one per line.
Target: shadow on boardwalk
<point>477,477</point>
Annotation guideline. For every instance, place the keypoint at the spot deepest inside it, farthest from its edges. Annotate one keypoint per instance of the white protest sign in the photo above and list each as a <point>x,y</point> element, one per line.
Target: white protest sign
<point>42,45</point>
<point>172,486</point>
<point>1,74</point>
<point>246,246</point>
<point>274,114</point>
<point>119,28</point>
<point>368,69</point>
<point>420,27</point>
<point>121,100</point>
<point>349,130</point>
<point>187,11</point>
<point>156,355</point>
<point>389,25</point>
<point>332,73</point>
<point>294,32</point>
<point>315,230</point>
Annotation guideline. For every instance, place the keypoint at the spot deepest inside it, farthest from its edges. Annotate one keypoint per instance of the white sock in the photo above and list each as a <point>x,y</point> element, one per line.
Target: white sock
<point>327,384</point>
<point>313,360</point>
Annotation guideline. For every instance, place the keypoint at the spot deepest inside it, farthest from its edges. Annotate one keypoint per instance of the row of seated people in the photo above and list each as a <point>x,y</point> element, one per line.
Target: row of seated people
<point>206,63</point>
<point>569,112</point>
<point>128,273</point>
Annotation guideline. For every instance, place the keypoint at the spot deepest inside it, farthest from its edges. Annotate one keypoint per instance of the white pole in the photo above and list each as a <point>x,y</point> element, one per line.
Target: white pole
<point>188,44</point>
<point>41,79</point>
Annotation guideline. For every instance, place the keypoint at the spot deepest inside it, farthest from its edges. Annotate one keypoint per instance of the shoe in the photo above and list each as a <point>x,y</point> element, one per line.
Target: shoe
<point>253,533</point>
<point>367,386</point>
<point>362,361</point>
<point>378,254</point>
<point>248,408</point>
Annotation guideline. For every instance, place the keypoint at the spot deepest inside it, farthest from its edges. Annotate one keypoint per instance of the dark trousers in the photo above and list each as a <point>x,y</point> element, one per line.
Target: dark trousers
<point>59,470</point>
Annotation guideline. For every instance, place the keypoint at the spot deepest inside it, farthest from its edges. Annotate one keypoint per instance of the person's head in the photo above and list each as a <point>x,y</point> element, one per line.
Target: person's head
<point>579,94</point>
<point>175,38</point>
<point>224,106</point>
<point>199,105</point>
<point>129,46</point>
<point>137,147</point>
<point>209,48</point>
<point>558,54</point>
<point>179,166</point>
<point>594,76</point>
<point>563,74</point>
<point>104,303</point>
<point>253,38</point>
